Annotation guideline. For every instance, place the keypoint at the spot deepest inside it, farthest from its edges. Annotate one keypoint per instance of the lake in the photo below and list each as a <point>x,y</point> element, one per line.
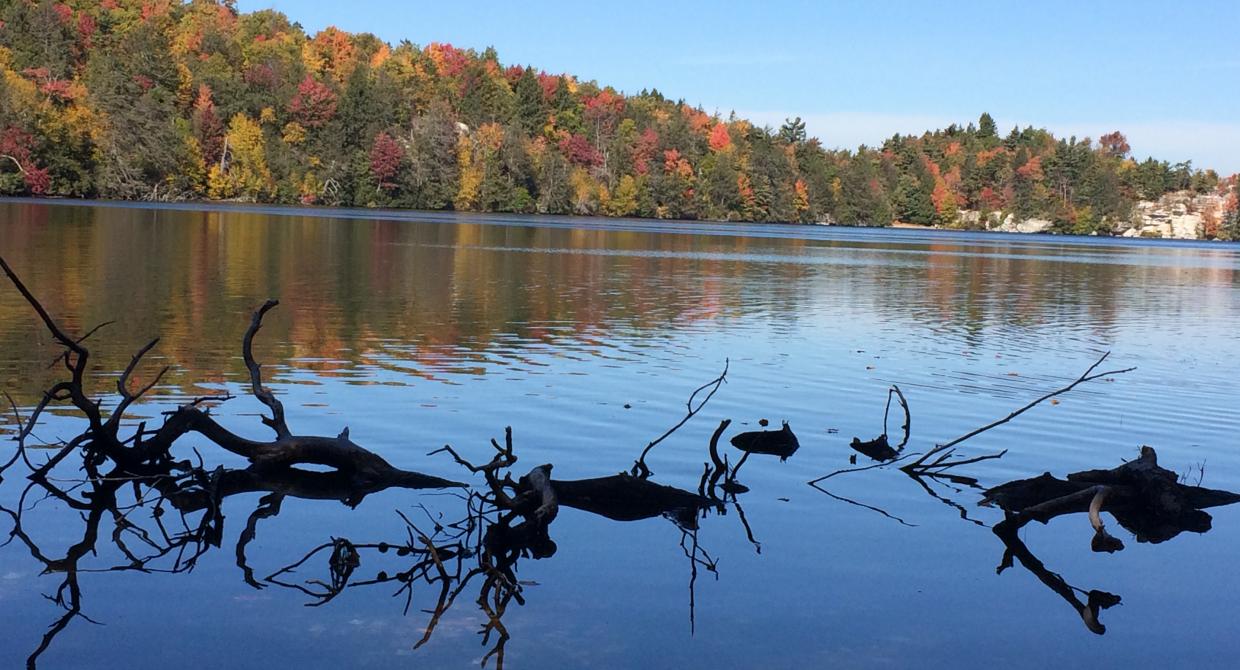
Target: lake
<point>417,330</point>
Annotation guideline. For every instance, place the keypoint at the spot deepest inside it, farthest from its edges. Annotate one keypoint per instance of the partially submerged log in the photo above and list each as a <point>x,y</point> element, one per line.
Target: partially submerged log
<point>623,497</point>
<point>782,443</point>
<point>1143,497</point>
<point>342,486</point>
<point>144,451</point>
<point>878,449</point>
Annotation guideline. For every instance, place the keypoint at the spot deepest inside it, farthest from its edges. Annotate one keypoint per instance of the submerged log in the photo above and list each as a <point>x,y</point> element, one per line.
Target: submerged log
<point>623,497</point>
<point>878,449</point>
<point>338,485</point>
<point>782,442</point>
<point>1142,496</point>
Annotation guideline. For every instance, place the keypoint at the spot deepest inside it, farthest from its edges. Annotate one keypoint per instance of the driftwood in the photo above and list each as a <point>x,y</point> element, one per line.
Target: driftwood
<point>1143,497</point>
<point>782,443</point>
<point>936,465</point>
<point>620,497</point>
<point>623,497</point>
<point>880,449</point>
<point>941,453</point>
<point>149,451</point>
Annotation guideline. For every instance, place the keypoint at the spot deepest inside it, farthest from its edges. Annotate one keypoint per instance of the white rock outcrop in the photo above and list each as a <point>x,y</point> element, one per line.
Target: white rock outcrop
<point>1183,215</point>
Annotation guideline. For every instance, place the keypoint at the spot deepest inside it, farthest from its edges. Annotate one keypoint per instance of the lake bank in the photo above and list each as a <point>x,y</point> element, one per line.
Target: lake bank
<point>683,226</point>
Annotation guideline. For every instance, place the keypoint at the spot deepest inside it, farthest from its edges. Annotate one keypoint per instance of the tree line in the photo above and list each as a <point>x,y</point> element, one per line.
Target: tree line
<point>166,100</point>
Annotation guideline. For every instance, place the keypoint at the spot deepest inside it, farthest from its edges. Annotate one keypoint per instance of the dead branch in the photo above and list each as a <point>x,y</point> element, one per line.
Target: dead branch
<point>908,417</point>
<point>143,450</point>
<point>639,468</point>
<point>1143,497</point>
<point>718,467</point>
<point>264,395</point>
<point>942,463</point>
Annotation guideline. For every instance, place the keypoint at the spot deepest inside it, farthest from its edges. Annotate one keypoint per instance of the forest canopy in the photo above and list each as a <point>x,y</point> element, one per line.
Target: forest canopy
<point>162,100</point>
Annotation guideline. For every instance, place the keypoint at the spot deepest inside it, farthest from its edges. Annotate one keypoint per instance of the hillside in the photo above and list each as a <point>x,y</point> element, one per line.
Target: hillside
<point>167,101</point>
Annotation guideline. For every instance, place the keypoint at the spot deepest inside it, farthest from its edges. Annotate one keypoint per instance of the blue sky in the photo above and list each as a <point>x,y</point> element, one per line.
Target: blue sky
<point>857,72</point>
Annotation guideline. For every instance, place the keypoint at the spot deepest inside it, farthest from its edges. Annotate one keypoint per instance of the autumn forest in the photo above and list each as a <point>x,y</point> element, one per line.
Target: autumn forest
<point>161,100</point>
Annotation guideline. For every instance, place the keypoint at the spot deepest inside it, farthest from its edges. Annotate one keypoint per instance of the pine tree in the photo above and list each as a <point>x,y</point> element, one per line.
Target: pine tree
<point>529,112</point>
<point>986,129</point>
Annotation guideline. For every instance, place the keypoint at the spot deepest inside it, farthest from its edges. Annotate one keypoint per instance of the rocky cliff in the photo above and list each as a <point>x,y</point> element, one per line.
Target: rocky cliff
<point>1184,215</point>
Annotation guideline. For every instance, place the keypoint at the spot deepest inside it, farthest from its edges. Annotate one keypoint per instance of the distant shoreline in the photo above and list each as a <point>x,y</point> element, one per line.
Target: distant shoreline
<point>634,224</point>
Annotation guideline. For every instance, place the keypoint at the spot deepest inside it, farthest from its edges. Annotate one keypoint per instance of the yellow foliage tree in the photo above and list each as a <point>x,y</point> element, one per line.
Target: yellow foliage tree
<point>471,175</point>
<point>800,198</point>
<point>623,202</point>
<point>586,191</point>
<point>293,133</point>
<point>245,175</point>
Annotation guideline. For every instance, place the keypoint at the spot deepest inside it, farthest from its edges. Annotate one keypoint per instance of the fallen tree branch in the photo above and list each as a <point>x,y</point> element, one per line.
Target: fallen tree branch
<point>639,468</point>
<point>145,451</point>
<point>920,463</point>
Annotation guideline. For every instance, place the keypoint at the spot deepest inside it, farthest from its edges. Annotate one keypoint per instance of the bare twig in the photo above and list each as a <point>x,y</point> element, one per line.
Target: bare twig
<point>276,421</point>
<point>908,417</point>
<point>1087,376</point>
<point>639,468</point>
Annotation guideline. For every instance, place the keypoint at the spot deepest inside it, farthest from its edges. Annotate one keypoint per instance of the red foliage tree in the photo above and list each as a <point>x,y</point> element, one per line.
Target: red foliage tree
<point>644,151</point>
<point>208,129</point>
<point>449,60</point>
<point>550,83</point>
<point>86,28</point>
<point>314,104</point>
<point>604,107</point>
<point>719,137</point>
<point>1032,169</point>
<point>15,146</point>
<point>1114,144</point>
<point>385,157</point>
<point>577,149</point>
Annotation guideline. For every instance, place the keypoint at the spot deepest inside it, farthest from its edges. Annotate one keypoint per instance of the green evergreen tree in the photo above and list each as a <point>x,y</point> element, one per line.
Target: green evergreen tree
<point>986,129</point>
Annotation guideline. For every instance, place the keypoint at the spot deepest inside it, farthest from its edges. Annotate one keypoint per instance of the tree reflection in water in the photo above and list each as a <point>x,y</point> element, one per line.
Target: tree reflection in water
<point>155,512</point>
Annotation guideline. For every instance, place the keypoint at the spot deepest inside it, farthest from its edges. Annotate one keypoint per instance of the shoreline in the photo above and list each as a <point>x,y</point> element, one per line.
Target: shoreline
<point>634,224</point>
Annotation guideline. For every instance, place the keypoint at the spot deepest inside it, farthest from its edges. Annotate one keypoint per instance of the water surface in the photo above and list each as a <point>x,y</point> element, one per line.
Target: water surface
<point>416,330</point>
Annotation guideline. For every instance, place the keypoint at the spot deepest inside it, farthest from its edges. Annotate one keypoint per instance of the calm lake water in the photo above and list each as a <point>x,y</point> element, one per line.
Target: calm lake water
<point>418,330</point>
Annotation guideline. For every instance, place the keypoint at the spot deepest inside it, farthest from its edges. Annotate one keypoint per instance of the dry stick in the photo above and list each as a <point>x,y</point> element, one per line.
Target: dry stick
<point>1087,376</point>
<point>122,384</point>
<point>860,469</point>
<point>908,416</point>
<point>639,466</point>
<point>264,395</point>
<point>59,334</point>
<point>76,389</point>
<point>720,466</point>
<point>20,451</point>
<point>80,340</point>
<point>919,464</point>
